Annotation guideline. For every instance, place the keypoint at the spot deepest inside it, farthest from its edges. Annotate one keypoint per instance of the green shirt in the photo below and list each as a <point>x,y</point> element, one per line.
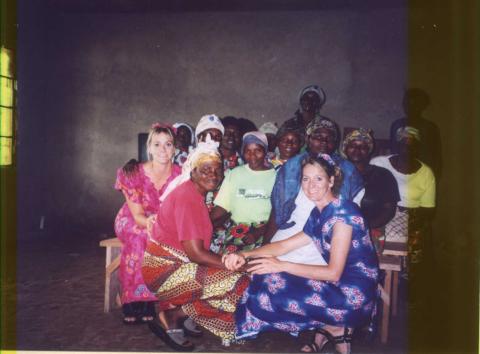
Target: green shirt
<point>246,194</point>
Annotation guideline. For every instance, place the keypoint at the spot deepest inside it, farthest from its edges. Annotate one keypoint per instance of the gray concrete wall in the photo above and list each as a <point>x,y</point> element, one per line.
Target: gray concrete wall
<point>90,82</point>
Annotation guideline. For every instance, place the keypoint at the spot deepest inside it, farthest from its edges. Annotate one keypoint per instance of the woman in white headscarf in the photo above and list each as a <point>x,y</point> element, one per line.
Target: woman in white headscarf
<point>178,267</point>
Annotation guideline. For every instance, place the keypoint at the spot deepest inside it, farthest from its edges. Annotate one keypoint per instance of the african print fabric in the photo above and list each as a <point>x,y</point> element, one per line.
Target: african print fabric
<point>230,238</point>
<point>289,303</point>
<point>208,295</point>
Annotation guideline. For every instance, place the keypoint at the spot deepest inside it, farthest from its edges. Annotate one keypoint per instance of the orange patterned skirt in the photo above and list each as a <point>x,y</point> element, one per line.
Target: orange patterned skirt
<point>208,295</point>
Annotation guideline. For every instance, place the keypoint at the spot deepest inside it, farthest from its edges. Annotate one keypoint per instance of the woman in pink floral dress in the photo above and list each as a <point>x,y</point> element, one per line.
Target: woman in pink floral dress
<point>142,190</point>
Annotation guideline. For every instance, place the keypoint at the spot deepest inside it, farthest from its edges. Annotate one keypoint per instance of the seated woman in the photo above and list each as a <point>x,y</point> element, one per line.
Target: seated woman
<point>332,298</point>
<point>244,197</point>
<point>185,142</point>
<point>416,184</point>
<point>379,197</point>
<point>142,190</point>
<point>178,268</point>
<point>289,142</point>
<point>231,143</point>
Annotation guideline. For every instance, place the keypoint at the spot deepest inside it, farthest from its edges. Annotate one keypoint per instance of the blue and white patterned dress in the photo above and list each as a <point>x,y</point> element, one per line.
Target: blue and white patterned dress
<point>285,302</point>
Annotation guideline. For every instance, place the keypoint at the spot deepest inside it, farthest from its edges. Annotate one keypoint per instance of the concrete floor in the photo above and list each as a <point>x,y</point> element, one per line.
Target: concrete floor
<point>59,306</point>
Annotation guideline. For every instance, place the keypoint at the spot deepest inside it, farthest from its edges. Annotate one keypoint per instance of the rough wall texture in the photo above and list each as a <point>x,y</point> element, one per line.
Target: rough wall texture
<point>90,82</point>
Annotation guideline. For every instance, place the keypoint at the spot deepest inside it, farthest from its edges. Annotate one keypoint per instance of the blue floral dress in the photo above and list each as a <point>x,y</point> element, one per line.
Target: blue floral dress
<point>285,302</point>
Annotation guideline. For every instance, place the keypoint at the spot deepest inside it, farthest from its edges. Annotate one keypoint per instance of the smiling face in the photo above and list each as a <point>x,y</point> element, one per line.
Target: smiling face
<point>232,138</point>
<point>207,176</point>
<point>215,134</point>
<point>316,184</point>
<point>254,155</point>
<point>357,151</point>
<point>288,145</point>
<point>322,141</point>
<point>161,148</point>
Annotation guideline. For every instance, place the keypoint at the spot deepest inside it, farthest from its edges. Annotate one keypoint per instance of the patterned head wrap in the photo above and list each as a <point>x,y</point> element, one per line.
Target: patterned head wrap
<point>314,88</point>
<point>322,122</point>
<point>209,121</point>
<point>407,132</point>
<point>268,128</point>
<point>361,134</point>
<point>255,138</point>
<point>205,151</point>
<point>189,127</point>
<point>328,159</point>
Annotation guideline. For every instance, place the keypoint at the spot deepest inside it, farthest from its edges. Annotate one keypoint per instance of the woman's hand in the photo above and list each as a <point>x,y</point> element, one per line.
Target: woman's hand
<point>265,265</point>
<point>150,222</point>
<point>233,261</point>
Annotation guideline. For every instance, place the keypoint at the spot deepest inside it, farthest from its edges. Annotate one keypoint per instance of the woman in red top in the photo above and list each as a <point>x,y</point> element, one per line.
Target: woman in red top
<point>178,267</point>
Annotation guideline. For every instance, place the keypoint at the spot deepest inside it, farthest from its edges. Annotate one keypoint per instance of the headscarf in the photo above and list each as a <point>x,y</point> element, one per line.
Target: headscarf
<point>268,128</point>
<point>322,122</point>
<point>407,132</point>
<point>205,151</point>
<point>190,128</point>
<point>318,90</point>
<point>255,138</point>
<point>209,121</point>
<point>361,134</point>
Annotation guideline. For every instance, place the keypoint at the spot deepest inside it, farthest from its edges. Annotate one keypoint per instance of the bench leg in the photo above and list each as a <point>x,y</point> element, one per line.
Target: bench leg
<point>395,294</point>
<point>386,307</point>
<point>111,279</point>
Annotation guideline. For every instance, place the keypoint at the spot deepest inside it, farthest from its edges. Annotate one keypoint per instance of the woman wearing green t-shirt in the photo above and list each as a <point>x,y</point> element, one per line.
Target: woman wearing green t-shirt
<point>242,206</point>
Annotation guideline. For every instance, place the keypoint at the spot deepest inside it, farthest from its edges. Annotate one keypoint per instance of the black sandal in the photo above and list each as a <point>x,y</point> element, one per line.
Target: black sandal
<point>130,311</point>
<point>148,313</point>
<point>315,348</point>
<point>190,327</point>
<point>174,338</point>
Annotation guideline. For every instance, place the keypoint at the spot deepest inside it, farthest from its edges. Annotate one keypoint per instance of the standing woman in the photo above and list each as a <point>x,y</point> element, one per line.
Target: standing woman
<point>333,298</point>
<point>416,184</point>
<point>142,191</point>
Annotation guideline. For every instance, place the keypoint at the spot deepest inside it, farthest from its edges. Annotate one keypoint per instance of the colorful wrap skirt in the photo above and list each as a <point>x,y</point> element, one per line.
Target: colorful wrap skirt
<point>208,295</point>
<point>230,238</point>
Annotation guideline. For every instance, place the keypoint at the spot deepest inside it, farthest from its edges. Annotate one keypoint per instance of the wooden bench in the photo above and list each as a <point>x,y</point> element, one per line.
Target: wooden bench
<point>112,261</point>
<point>391,262</point>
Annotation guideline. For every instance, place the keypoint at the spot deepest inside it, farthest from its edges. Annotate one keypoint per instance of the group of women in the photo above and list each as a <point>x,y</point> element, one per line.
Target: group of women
<point>263,230</point>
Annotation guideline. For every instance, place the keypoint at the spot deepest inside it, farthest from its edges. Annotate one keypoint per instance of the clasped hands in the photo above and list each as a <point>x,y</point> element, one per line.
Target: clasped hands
<point>256,265</point>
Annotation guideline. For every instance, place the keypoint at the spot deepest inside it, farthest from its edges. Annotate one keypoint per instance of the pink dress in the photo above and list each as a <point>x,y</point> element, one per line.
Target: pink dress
<point>141,190</point>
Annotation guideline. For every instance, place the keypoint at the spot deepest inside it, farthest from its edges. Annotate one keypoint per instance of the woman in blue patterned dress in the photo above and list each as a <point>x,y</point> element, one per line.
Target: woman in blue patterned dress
<point>332,299</point>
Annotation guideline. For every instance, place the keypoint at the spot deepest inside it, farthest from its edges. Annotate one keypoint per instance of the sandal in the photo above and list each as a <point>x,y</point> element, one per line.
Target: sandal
<point>130,313</point>
<point>315,348</point>
<point>190,327</point>
<point>174,338</point>
<point>148,312</point>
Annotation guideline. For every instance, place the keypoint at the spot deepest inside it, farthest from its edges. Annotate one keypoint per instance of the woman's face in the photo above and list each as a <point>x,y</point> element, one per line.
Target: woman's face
<point>207,176</point>
<point>184,137</point>
<point>254,155</point>
<point>322,141</point>
<point>215,134</point>
<point>231,139</point>
<point>288,145</point>
<point>310,102</point>
<point>316,184</point>
<point>357,151</point>
<point>162,148</point>
<point>408,147</point>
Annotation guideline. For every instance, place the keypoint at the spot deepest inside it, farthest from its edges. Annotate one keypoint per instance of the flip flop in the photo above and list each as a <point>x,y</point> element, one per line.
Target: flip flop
<point>130,314</point>
<point>191,328</point>
<point>174,338</point>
